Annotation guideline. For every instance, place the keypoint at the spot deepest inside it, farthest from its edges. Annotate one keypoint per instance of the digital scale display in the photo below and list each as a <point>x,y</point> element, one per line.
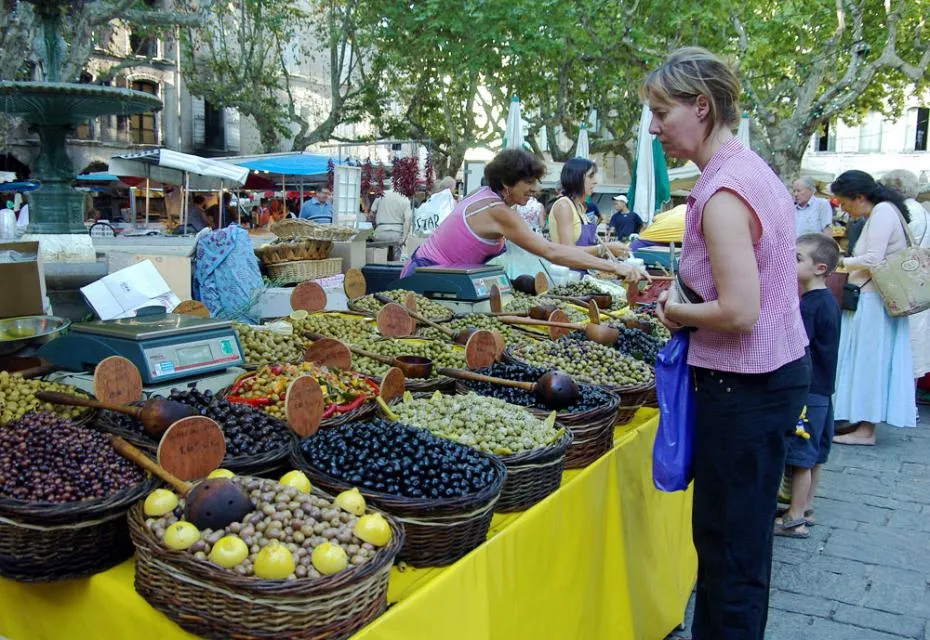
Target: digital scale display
<point>189,358</point>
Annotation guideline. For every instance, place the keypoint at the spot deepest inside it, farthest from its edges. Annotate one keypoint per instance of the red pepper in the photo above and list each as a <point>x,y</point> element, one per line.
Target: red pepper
<point>330,410</point>
<point>255,402</point>
<point>349,406</point>
<point>239,384</point>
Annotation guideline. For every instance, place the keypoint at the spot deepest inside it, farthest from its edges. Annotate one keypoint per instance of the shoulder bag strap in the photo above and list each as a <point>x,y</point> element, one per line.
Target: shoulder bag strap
<point>907,230</point>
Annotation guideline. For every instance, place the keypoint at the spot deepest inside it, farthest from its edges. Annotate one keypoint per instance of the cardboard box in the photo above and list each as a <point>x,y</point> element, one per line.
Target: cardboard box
<point>275,302</point>
<point>176,270</point>
<point>376,256</point>
<point>23,280</point>
<point>352,251</point>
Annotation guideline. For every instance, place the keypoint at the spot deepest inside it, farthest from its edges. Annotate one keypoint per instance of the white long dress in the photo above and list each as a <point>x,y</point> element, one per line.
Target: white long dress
<point>920,322</point>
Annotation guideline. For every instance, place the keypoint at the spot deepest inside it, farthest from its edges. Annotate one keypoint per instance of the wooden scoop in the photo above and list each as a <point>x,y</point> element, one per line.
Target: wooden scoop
<point>458,337</point>
<point>554,389</point>
<point>602,334</point>
<point>212,503</point>
<point>156,414</point>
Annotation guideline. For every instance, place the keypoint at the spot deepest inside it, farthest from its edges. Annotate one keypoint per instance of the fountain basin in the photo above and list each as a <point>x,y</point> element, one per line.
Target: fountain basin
<point>67,104</point>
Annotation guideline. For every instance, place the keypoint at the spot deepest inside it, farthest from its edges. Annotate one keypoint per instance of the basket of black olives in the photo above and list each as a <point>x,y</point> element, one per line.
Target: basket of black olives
<point>256,443</point>
<point>591,419</point>
<point>593,363</point>
<point>64,494</point>
<point>444,493</point>
<point>531,447</point>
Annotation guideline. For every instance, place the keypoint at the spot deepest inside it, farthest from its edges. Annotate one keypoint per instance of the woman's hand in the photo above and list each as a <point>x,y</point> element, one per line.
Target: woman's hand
<point>630,273</point>
<point>619,250</point>
<point>661,304</point>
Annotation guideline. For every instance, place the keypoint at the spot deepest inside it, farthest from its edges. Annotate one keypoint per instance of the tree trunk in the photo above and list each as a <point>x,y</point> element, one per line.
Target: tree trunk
<point>782,147</point>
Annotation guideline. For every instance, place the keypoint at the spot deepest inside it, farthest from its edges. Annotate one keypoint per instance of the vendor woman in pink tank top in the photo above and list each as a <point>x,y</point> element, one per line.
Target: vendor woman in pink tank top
<point>476,229</point>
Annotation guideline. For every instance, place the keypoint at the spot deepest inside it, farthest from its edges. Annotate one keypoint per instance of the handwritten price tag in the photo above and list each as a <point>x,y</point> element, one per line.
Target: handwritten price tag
<point>557,332</point>
<point>117,380</point>
<point>394,321</point>
<point>354,284</point>
<point>304,406</point>
<point>541,283</point>
<point>192,447</point>
<point>481,350</point>
<point>308,296</point>
<point>329,353</point>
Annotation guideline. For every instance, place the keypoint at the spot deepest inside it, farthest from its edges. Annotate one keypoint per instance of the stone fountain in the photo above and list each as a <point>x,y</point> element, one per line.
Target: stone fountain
<point>52,109</point>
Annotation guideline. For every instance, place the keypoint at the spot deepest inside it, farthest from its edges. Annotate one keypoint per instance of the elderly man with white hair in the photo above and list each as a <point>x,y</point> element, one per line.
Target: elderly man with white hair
<point>813,214</point>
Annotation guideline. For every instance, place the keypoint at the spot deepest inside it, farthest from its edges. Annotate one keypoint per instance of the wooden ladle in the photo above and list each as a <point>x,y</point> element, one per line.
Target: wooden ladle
<point>600,333</point>
<point>554,389</point>
<point>212,503</point>
<point>458,337</point>
<point>156,414</point>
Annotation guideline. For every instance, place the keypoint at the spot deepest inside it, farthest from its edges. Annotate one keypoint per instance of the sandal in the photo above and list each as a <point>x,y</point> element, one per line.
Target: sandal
<point>792,528</point>
<point>808,515</point>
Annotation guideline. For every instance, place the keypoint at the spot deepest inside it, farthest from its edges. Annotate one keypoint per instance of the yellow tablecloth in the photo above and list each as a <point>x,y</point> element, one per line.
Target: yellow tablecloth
<point>606,556</point>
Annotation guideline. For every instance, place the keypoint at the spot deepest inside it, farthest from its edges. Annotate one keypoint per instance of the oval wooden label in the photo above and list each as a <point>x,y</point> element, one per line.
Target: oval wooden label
<point>392,385</point>
<point>354,284</point>
<point>541,283</point>
<point>192,308</point>
<point>329,352</point>
<point>308,296</point>
<point>594,314</point>
<point>557,332</point>
<point>192,447</point>
<point>495,299</point>
<point>304,406</point>
<point>394,321</point>
<point>117,380</point>
<point>481,350</point>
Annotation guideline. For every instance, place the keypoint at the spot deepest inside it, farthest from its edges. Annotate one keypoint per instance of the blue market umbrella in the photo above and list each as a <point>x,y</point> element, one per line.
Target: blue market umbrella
<point>24,186</point>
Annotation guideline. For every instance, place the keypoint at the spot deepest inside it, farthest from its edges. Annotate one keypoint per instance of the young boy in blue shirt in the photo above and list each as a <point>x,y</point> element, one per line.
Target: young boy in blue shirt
<point>817,257</point>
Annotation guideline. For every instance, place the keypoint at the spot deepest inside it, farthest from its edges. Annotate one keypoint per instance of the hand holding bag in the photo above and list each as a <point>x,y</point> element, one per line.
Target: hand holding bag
<point>903,278</point>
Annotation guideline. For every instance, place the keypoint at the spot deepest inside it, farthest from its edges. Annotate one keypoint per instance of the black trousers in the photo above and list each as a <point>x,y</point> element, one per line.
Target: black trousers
<point>742,424</point>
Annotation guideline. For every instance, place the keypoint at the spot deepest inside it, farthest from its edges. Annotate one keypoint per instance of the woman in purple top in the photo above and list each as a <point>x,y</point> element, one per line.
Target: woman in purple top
<point>476,229</point>
<point>747,350</point>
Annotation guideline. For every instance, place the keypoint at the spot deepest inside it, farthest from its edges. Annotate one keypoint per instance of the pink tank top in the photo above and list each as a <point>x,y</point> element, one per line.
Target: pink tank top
<point>454,242</point>
<point>778,337</point>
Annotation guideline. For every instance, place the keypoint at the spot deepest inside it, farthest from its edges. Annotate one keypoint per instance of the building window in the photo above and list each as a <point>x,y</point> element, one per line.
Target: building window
<point>214,122</point>
<point>142,126</point>
<point>143,46</point>
<point>870,134</point>
<point>825,138</point>
<point>85,130</point>
<point>918,119</point>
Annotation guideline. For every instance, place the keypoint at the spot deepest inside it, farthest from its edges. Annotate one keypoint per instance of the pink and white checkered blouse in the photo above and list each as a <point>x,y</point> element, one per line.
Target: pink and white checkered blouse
<point>778,337</point>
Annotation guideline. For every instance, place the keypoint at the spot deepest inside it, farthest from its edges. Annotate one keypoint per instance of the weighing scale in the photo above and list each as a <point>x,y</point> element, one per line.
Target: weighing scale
<point>465,289</point>
<point>165,347</point>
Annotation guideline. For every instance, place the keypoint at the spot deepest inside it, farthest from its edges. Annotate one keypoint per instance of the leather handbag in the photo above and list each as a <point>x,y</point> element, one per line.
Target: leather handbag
<point>903,278</point>
<point>851,293</point>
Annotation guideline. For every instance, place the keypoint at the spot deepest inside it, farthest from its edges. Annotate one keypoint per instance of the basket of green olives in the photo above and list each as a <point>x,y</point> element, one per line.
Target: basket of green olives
<point>18,397</point>
<point>256,442</point>
<point>594,363</point>
<point>442,352</point>
<point>443,493</point>
<point>532,449</point>
<point>591,419</point>
<point>262,346</point>
<point>522,302</point>
<point>348,326</point>
<point>511,334</point>
<point>64,494</point>
<point>425,307</point>
<point>302,564</point>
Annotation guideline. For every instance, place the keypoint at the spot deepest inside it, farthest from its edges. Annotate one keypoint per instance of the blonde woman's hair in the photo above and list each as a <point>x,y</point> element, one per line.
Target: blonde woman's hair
<point>902,181</point>
<point>690,72</point>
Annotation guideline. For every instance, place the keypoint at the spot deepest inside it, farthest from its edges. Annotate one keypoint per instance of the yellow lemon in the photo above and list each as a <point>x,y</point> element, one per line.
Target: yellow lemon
<point>181,535</point>
<point>329,558</point>
<point>274,562</point>
<point>373,529</point>
<point>160,502</point>
<point>296,479</point>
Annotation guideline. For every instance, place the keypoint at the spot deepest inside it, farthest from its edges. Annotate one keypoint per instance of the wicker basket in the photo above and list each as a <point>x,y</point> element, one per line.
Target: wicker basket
<point>306,249</point>
<point>290,272</point>
<point>592,431</point>
<point>216,604</point>
<point>632,398</point>
<point>49,542</point>
<point>260,464</point>
<point>353,305</point>
<point>290,228</point>
<point>438,532</point>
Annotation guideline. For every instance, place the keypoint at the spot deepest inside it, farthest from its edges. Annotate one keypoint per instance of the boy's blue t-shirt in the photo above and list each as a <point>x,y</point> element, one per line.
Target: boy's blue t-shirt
<point>821,315</point>
<point>626,223</point>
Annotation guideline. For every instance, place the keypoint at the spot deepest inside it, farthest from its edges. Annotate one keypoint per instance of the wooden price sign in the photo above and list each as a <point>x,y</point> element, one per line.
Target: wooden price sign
<point>392,385</point>
<point>557,332</point>
<point>354,284</point>
<point>411,301</point>
<point>192,447</point>
<point>594,314</point>
<point>329,352</point>
<point>303,406</point>
<point>495,299</point>
<point>541,283</point>
<point>308,296</point>
<point>395,322</point>
<point>192,308</point>
<point>500,344</point>
<point>117,380</point>
<point>481,350</point>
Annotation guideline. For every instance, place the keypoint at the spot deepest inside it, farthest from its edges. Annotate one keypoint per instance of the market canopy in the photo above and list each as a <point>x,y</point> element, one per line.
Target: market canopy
<point>171,167</point>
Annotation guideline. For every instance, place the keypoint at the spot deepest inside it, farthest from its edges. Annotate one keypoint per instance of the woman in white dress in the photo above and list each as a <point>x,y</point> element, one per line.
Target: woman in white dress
<point>905,183</point>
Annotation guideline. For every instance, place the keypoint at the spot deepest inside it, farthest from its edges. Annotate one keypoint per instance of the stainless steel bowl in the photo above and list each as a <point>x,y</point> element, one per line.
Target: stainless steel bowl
<point>19,333</point>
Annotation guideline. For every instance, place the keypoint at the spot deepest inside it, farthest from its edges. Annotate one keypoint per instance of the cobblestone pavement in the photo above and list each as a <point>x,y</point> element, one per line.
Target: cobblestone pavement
<point>864,574</point>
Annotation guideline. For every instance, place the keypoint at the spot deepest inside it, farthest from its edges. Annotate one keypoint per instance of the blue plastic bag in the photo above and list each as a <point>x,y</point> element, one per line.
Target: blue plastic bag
<point>673,451</point>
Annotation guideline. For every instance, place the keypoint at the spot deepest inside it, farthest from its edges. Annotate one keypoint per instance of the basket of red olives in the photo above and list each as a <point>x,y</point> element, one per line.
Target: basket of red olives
<point>443,493</point>
<point>256,442</point>
<point>64,494</point>
<point>300,564</point>
<point>590,419</point>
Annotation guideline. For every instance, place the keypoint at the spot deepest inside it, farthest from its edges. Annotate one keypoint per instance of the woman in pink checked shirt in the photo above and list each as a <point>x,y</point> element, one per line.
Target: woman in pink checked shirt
<point>747,350</point>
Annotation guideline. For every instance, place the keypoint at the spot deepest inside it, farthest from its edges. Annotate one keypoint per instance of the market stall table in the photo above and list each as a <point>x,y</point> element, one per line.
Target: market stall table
<point>606,556</point>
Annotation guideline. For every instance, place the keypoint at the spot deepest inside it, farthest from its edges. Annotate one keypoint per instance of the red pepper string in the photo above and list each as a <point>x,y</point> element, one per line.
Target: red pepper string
<point>330,410</point>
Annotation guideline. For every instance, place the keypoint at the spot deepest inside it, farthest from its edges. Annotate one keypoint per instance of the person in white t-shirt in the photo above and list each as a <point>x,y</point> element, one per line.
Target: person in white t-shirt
<point>814,215</point>
<point>23,219</point>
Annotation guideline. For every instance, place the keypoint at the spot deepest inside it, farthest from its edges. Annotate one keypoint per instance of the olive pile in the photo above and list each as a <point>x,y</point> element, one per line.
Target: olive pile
<point>590,397</point>
<point>248,431</point>
<point>583,288</point>
<point>396,459</point>
<point>425,307</point>
<point>18,396</point>
<point>441,352</point>
<point>350,329</point>
<point>521,302</point>
<point>587,361</point>
<point>299,521</point>
<point>631,342</point>
<point>487,424</point>
<point>511,334</point>
<point>44,458</point>
<point>645,322</point>
<point>260,346</point>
